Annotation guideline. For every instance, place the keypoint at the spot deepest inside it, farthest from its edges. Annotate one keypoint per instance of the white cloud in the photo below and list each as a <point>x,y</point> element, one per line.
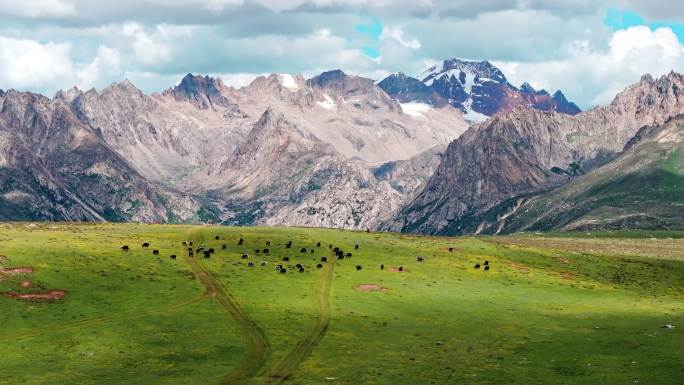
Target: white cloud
<point>592,76</point>
<point>29,65</point>
<point>149,48</point>
<point>397,33</point>
<point>37,8</point>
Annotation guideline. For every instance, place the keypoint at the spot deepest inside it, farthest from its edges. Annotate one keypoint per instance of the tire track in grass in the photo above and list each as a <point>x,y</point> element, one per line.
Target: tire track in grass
<point>257,346</point>
<point>284,369</point>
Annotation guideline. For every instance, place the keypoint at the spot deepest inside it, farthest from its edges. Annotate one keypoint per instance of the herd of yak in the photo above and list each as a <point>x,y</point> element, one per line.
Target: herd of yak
<point>339,253</point>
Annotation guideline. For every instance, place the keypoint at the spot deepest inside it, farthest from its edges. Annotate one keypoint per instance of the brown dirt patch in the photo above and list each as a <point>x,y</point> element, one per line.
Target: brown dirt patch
<point>52,295</point>
<point>396,270</point>
<point>568,275</point>
<point>520,268</point>
<point>25,284</point>
<point>371,287</point>
<point>16,270</point>
<point>561,259</point>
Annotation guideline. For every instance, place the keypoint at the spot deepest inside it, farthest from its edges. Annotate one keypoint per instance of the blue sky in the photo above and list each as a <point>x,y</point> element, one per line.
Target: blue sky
<point>590,49</point>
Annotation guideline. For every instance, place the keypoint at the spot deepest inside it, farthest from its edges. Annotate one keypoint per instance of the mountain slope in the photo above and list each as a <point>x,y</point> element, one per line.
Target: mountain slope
<point>643,188</point>
<point>527,151</point>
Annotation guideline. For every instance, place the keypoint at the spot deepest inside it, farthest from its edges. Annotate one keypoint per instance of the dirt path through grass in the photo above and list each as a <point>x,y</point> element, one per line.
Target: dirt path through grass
<point>289,364</point>
<point>257,346</point>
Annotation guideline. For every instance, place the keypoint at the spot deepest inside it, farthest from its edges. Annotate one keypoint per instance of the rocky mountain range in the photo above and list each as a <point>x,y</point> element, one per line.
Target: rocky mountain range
<point>283,150</point>
<point>479,89</point>
<point>339,150</point>
<point>488,173</point>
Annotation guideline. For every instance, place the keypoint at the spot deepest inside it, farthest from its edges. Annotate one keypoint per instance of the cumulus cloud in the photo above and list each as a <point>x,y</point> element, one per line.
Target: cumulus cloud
<point>47,67</point>
<point>593,76</point>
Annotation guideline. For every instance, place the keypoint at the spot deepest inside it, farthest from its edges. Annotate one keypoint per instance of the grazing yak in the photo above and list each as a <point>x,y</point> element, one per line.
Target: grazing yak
<point>486,263</point>
<point>477,265</point>
<point>382,267</point>
<point>190,243</point>
<point>420,258</point>
<point>283,271</point>
<point>155,252</point>
<point>318,244</point>
<point>223,247</point>
<point>324,259</point>
<point>265,251</point>
<point>125,248</point>
<point>250,264</point>
<point>288,244</point>
<point>286,259</point>
<point>302,250</point>
<point>172,256</point>
<point>401,268</point>
<point>301,269</point>
<point>207,254</point>
<point>340,256</point>
<point>356,247</point>
<point>190,253</point>
<point>184,243</point>
<point>358,267</point>
<point>257,251</point>
<point>279,267</point>
<point>264,263</point>
<point>486,268</point>
<point>241,242</point>
<point>244,256</point>
<point>216,237</point>
<point>349,255</point>
<point>319,266</point>
<point>268,243</point>
<point>451,249</point>
<point>146,245</point>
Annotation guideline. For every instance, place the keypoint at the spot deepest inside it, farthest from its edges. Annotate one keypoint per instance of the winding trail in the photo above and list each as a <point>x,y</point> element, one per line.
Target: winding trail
<point>257,346</point>
<point>284,369</point>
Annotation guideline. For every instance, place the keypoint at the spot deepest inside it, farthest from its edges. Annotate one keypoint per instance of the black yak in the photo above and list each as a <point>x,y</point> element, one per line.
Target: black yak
<point>216,237</point>
<point>318,244</point>
<point>207,254</point>
<point>358,267</point>
<point>486,263</point>
<point>125,248</point>
<point>420,258</point>
<point>401,268</point>
<point>184,243</point>
<point>241,242</point>
<point>265,251</point>
<point>356,247</point>
<point>477,265</point>
<point>172,256</point>
<point>155,252</point>
<point>319,266</point>
<point>349,255</point>
<point>324,259</point>
<point>244,256</point>
<point>223,247</point>
<point>268,243</point>
<point>382,267</point>
<point>283,271</point>
<point>486,268</point>
<point>286,259</point>
<point>451,249</point>
<point>250,264</point>
<point>146,245</point>
<point>302,250</point>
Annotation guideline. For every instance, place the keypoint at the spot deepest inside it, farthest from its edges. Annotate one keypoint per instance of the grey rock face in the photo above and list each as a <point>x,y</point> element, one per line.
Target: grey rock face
<point>283,150</point>
<point>527,151</point>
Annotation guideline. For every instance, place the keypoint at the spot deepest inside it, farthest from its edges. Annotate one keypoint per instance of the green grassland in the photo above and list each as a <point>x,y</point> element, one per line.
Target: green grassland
<point>572,308</point>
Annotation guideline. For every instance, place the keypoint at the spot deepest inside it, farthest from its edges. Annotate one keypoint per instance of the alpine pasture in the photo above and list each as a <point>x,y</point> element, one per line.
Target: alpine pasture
<point>579,308</point>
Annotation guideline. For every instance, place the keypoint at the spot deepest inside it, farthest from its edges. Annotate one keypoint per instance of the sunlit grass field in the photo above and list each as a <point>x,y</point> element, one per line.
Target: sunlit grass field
<point>552,309</point>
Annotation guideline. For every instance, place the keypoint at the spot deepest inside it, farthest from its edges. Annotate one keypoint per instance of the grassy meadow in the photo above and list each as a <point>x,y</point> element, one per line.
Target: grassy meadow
<point>574,308</point>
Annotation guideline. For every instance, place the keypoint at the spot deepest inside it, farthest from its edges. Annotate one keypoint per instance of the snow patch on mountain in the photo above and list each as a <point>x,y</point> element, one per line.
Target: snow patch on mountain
<point>288,81</point>
<point>328,103</point>
<point>415,109</point>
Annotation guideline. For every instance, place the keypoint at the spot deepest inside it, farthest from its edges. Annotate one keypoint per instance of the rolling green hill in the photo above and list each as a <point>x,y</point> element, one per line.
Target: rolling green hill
<point>643,188</point>
<point>552,309</point>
